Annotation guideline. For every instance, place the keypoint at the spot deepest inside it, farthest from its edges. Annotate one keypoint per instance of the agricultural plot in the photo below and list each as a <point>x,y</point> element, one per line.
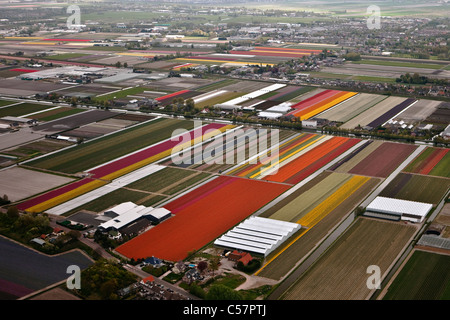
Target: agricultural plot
<point>36,148</point>
<point>419,188</point>
<point>383,160</point>
<point>385,117</point>
<point>200,216</point>
<point>366,117</point>
<point>441,115</point>
<point>18,280</point>
<point>311,161</point>
<point>168,181</point>
<point>22,88</point>
<point>108,148</point>
<point>432,161</point>
<point>73,121</point>
<point>279,264</point>
<point>56,113</point>
<point>419,111</point>
<point>431,276</point>
<point>100,175</point>
<point>287,149</point>
<point>341,273</point>
<point>319,103</point>
<point>234,148</point>
<point>352,107</point>
<point>4,103</point>
<point>277,52</point>
<point>20,183</point>
<point>22,109</point>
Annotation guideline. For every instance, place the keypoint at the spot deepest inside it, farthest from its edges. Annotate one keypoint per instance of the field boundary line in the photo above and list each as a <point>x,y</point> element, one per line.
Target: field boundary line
<point>89,141</point>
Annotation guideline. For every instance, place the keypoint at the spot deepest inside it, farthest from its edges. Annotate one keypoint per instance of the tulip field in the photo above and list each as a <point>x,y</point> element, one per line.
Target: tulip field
<point>200,216</point>
<point>100,176</point>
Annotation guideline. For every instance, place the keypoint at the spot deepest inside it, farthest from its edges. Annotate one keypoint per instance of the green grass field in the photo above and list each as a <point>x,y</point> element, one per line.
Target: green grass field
<point>91,154</point>
<point>168,181</point>
<point>419,188</point>
<point>67,56</point>
<point>6,103</point>
<point>22,109</point>
<point>62,114</point>
<point>442,168</point>
<point>426,276</point>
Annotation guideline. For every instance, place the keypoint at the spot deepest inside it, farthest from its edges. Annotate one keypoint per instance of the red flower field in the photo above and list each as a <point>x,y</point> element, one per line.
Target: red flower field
<point>201,216</point>
<point>384,160</point>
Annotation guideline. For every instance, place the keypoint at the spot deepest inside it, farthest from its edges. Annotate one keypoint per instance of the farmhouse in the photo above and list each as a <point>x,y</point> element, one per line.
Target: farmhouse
<point>397,209</point>
<point>127,213</point>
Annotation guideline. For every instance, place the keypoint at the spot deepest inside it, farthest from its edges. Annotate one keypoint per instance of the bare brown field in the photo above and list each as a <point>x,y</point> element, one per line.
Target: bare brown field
<point>341,273</point>
<point>284,262</point>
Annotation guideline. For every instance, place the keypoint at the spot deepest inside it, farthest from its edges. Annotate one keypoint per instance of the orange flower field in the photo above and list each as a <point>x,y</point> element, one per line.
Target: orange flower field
<point>200,216</point>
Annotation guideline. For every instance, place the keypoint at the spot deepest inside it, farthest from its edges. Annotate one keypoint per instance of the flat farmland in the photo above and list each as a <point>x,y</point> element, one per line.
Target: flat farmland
<point>100,175</point>
<point>431,276</point>
<point>200,216</point>
<point>88,155</point>
<point>19,88</point>
<point>373,113</point>
<point>352,107</point>
<point>245,86</point>
<point>419,188</point>
<point>23,270</point>
<point>22,183</point>
<point>281,262</point>
<point>441,115</point>
<point>432,161</point>
<point>383,160</point>
<point>346,164</point>
<point>309,199</point>
<point>228,95</point>
<point>6,102</point>
<point>74,121</point>
<point>385,117</point>
<point>168,180</point>
<point>23,109</point>
<point>36,148</point>
<point>341,272</point>
<point>56,113</point>
<point>419,111</point>
<point>311,161</point>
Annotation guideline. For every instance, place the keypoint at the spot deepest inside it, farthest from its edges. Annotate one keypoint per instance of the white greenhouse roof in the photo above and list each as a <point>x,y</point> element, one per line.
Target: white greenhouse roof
<point>128,212</point>
<point>399,207</point>
<point>258,235</point>
<point>270,115</point>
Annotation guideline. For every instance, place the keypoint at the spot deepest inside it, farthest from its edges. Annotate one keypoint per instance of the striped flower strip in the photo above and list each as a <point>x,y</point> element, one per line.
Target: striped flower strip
<point>333,201</point>
<point>103,174</point>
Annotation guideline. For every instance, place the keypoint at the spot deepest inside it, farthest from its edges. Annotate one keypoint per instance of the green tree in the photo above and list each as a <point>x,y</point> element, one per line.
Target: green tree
<point>13,213</point>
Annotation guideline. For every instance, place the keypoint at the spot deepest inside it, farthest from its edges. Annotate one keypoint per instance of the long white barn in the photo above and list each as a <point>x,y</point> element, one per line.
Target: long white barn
<point>402,209</point>
<point>258,235</point>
